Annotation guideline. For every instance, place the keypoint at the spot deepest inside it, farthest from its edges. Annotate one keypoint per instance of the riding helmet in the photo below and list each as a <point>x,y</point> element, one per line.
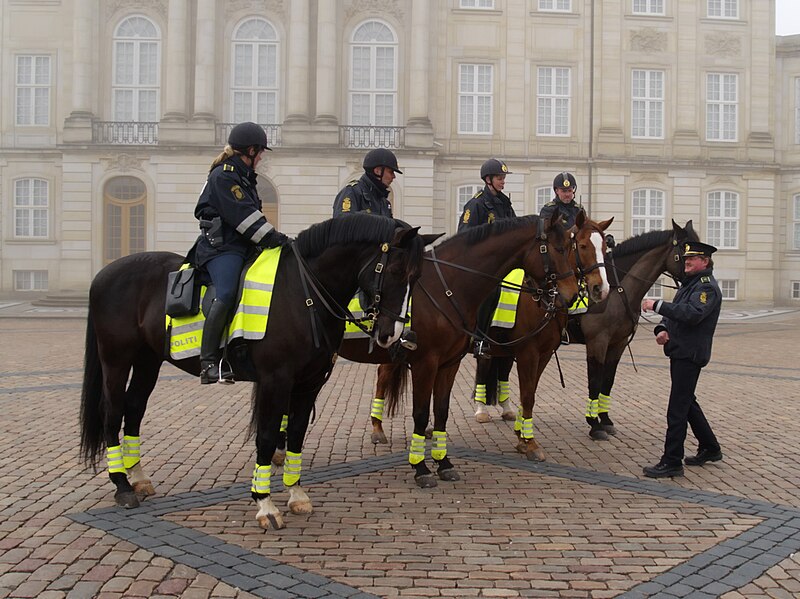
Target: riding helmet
<point>381,157</point>
<point>247,134</point>
<point>565,180</point>
<point>493,166</point>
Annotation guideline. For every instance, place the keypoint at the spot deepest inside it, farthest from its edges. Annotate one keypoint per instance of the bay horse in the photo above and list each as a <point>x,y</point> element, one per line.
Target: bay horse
<point>456,276</point>
<point>607,328</point>
<point>536,333</point>
<point>317,275</point>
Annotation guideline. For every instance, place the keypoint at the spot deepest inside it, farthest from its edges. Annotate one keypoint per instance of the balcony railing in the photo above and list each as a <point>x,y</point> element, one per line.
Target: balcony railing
<point>364,136</point>
<point>125,133</point>
<point>273,134</point>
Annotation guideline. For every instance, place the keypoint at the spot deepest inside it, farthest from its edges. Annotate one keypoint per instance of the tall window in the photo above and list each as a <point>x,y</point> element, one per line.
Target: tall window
<point>723,9</point>
<point>796,223</point>
<point>476,4</point>
<point>728,288</point>
<point>31,207</point>
<point>795,290</point>
<point>648,7</point>
<point>543,195</point>
<point>797,110</point>
<point>553,101</point>
<point>721,106</point>
<point>373,82</point>
<point>135,91</point>
<point>647,211</point>
<point>254,96</point>
<point>647,104</point>
<point>557,5</point>
<point>33,90</point>
<point>723,219</point>
<point>475,98</point>
<point>463,195</point>
<point>124,227</point>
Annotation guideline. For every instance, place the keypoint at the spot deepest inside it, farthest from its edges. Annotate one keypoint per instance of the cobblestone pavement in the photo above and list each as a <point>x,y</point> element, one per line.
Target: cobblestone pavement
<point>586,523</point>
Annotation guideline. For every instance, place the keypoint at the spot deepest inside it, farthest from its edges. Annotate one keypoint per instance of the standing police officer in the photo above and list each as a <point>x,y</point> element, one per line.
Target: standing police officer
<point>370,193</point>
<point>565,188</point>
<point>686,332</point>
<point>232,227</point>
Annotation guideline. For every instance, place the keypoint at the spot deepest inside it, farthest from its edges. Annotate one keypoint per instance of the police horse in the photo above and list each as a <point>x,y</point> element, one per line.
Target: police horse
<point>456,276</point>
<point>125,337</point>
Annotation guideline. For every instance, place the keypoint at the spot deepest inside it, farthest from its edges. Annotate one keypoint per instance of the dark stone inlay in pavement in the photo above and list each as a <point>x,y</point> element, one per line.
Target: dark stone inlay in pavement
<point>728,565</point>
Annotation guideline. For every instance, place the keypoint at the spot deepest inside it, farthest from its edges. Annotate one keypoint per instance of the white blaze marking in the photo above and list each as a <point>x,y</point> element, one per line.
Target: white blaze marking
<point>597,240</point>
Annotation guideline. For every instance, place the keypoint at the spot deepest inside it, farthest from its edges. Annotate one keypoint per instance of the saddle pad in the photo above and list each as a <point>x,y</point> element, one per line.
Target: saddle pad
<point>351,331</point>
<point>250,319</point>
<point>505,314</point>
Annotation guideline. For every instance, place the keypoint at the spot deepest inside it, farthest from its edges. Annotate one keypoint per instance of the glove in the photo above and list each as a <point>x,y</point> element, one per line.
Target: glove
<point>273,240</point>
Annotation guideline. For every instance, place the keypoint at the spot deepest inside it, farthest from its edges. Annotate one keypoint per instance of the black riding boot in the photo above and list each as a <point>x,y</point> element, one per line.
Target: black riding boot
<point>210,354</point>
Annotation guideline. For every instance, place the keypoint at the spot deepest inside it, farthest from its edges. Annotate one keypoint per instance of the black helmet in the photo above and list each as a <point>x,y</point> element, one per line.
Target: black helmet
<point>565,180</point>
<point>247,134</point>
<point>493,166</point>
<point>381,157</point>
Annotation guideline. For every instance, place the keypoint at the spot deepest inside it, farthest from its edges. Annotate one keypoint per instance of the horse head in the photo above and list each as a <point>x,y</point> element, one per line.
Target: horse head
<point>680,235</point>
<point>587,255</point>
<point>547,261</point>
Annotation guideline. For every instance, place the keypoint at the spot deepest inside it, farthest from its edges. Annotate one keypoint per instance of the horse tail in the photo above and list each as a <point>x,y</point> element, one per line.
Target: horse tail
<point>491,382</point>
<point>255,412</point>
<point>396,379</point>
<point>92,416</point>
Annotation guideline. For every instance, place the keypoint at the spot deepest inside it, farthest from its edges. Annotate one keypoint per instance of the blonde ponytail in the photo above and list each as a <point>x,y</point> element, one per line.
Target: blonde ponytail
<point>226,153</point>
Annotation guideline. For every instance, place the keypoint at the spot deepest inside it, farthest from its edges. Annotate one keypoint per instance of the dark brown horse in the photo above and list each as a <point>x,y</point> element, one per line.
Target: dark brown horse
<point>455,278</point>
<point>536,333</point>
<point>125,337</point>
<point>633,267</point>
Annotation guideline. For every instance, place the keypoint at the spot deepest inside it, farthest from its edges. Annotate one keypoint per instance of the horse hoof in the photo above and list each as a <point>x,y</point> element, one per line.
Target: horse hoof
<point>301,507</point>
<point>425,481</point>
<point>379,437</point>
<point>126,499</point>
<point>521,447</point>
<point>598,435</point>
<point>509,416</point>
<point>144,489</point>
<point>278,459</point>
<point>429,432</point>
<point>271,521</point>
<point>610,429</point>
<point>449,475</point>
<point>483,417</point>
<point>536,455</point>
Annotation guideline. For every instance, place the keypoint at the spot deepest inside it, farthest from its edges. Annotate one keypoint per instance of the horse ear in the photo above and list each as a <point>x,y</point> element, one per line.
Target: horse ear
<point>404,235</point>
<point>677,228</point>
<point>554,218</point>
<point>605,224</point>
<point>580,220</point>
<point>429,238</point>
<point>689,227</point>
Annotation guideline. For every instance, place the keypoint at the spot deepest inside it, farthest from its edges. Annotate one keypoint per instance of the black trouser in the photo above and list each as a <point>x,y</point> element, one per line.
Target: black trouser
<point>683,409</point>
<point>487,309</point>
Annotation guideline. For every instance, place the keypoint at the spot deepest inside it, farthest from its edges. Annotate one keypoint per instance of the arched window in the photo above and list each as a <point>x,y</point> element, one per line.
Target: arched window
<point>124,217</point>
<point>269,201</point>
<point>647,211</point>
<point>137,50</point>
<point>543,195</point>
<point>254,89</point>
<point>373,75</point>
<point>464,194</point>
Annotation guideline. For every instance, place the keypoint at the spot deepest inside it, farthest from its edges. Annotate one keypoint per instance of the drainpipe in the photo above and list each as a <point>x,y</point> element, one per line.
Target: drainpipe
<point>591,103</point>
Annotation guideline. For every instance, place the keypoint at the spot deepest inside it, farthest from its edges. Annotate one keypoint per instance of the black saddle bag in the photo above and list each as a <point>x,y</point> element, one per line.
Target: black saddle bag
<point>183,293</point>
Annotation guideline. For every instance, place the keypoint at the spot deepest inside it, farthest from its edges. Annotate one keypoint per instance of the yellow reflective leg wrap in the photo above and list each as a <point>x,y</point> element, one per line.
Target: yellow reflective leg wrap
<point>439,445</point>
<point>603,404</point>
<point>291,468</point>
<point>527,429</point>
<point>261,476</point>
<point>284,422</point>
<point>591,407</point>
<point>518,421</point>
<point>377,408</point>
<point>417,453</point>
<point>114,458</point>
<point>130,451</point>
<point>480,394</point>
<point>502,391</point>
<point>579,306</point>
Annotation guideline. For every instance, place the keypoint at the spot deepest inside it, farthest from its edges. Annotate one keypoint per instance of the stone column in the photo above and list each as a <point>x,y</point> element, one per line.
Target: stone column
<point>175,84</point>
<point>419,132</point>
<point>326,63</point>
<point>609,135</point>
<point>297,75</point>
<point>760,88</point>
<point>689,117</point>
<point>78,125</point>
<point>205,61</point>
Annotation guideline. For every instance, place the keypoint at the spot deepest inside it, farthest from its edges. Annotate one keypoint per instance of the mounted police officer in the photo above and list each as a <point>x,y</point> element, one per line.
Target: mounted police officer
<point>232,228</point>
<point>565,188</point>
<point>686,331</point>
<point>370,193</point>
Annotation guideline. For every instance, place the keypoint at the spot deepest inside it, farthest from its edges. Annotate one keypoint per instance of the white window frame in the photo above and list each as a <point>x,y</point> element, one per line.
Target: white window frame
<point>476,4</point>
<point>649,105</point>
<point>31,280</point>
<point>33,85</point>
<point>648,7</point>
<point>254,92</point>
<point>648,209</point>
<point>796,222</point>
<point>722,9</point>
<point>31,208</point>
<point>373,90</point>
<point>541,196</point>
<point>797,110</point>
<point>473,98</point>
<point>794,290</point>
<point>657,290</point>
<point>725,214</point>
<point>729,288</point>
<point>722,107</point>
<point>552,102</point>
<point>139,91</point>
<point>464,193</point>
<point>555,5</point>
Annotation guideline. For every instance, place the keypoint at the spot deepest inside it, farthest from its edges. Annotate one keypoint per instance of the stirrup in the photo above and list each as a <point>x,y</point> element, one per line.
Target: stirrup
<point>479,348</point>
<point>225,372</point>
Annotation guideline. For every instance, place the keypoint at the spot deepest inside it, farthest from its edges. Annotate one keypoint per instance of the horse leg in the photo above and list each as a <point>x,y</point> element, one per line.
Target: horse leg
<point>301,404</point>
<point>442,386</point>
<point>114,379</point>
<point>483,377</point>
<point>376,411</point>
<point>268,412</point>
<point>595,376</point>
<point>504,366</point>
<point>529,369</point>
<point>604,404</point>
<point>279,457</point>
<point>422,375</point>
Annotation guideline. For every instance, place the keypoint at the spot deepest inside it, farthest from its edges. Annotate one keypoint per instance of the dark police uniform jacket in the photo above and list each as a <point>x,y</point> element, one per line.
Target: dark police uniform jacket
<point>230,201</point>
<point>484,208</point>
<point>363,195</point>
<point>691,318</point>
<point>568,211</point>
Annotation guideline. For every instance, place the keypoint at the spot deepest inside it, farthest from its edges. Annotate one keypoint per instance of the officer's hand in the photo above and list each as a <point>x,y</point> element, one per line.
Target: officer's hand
<point>662,338</point>
<point>647,304</point>
<point>274,239</point>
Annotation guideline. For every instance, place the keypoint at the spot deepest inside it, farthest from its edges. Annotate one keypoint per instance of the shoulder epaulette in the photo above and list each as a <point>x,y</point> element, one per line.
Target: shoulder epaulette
<point>228,167</point>
<point>551,203</point>
<point>477,194</point>
<point>705,279</point>
<point>352,183</point>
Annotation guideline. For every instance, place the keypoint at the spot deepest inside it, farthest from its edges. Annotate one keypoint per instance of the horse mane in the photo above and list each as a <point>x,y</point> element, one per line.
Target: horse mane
<point>641,243</point>
<point>353,228</point>
<point>477,234</point>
